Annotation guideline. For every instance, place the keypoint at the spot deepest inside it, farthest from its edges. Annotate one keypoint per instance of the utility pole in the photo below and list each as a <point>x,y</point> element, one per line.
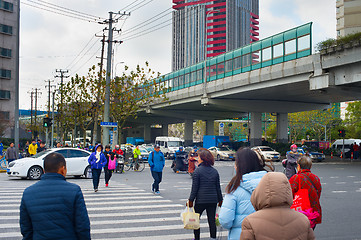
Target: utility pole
<point>31,112</point>
<point>95,127</point>
<point>61,76</point>
<point>35,115</point>
<point>110,41</point>
<point>49,103</point>
<point>52,125</point>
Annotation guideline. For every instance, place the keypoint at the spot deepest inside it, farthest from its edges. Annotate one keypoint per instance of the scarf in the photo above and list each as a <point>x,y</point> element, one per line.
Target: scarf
<point>97,156</point>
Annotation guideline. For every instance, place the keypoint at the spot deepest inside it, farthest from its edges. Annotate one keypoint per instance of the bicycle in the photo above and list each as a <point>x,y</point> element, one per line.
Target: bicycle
<point>3,162</point>
<point>137,166</point>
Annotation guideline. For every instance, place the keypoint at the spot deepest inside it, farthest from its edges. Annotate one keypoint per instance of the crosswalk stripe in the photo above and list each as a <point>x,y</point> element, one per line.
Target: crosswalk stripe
<point>137,213</point>
<point>204,235</point>
<point>142,229</point>
<point>107,208</point>
<point>111,222</point>
<point>102,203</point>
<point>122,214</point>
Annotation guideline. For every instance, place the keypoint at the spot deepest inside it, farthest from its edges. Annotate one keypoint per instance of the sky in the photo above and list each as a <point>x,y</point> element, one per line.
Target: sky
<point>50,41</point>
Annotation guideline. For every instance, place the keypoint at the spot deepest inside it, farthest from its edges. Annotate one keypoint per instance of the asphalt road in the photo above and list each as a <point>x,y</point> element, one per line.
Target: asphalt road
<point>128,210</point>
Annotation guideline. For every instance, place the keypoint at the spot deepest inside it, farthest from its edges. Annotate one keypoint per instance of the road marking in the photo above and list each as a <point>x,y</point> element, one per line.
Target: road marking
<point>102,203</point>
<point>142,229</point>
<point>351,176</point>
<point>340,182</point>
<point>204,235</point>
<point>123,214</point>
<point>334,177</point>
<point>323,183</point>
<point>187,188</point>
<point>339,191</point>
<point>357,182</point>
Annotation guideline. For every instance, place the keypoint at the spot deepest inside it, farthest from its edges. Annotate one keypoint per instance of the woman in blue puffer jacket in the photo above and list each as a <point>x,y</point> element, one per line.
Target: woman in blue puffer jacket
<point>97,161</point>
<point>237,202</point>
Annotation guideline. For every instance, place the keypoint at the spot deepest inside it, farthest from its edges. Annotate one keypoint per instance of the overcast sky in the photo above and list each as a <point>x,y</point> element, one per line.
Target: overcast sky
<point>50,41</point>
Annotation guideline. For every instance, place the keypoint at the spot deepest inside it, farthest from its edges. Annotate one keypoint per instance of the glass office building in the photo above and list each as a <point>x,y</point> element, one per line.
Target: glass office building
<point>207,27</point>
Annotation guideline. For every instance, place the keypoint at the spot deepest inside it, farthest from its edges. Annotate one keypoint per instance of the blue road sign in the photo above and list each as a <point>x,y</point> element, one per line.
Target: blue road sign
<point>110,124</point>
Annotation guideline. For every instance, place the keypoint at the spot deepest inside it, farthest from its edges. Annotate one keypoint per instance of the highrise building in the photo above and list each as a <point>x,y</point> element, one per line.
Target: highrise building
<point>214,26</point>
<point>348,15</point>
<point>8,48</point>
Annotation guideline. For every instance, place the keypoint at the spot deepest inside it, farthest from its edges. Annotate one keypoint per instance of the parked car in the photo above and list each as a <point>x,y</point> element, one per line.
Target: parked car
<point>33,167</point>
<point>222,153</point>
<point>144,153</point>
<point>268,153</point>
<point>314,155</point>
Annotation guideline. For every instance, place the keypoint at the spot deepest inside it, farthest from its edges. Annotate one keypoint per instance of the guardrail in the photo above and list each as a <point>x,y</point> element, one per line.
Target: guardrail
<point>286,46</point>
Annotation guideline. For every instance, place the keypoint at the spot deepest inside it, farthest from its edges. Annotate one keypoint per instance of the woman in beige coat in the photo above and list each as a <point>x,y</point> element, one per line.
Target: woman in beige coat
<point>273,218</point>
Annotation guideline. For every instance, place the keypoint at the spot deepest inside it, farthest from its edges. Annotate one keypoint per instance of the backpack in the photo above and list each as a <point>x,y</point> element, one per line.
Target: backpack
<point>111,163</point>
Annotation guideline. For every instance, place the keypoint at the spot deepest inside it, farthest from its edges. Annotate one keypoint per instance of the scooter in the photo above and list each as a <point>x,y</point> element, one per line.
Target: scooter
<point>120,164</point>
<point>180,163</point>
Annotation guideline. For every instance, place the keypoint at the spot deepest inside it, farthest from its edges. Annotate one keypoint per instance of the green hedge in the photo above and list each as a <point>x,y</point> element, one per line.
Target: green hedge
<point>331,42</point>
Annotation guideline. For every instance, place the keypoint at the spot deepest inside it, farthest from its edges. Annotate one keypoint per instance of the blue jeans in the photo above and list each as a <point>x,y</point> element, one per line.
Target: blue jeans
<point>157,176</point>
<point>96,177</point>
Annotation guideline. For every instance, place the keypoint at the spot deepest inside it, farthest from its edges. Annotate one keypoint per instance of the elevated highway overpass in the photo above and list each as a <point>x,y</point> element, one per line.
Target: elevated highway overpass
<point>276,75</point>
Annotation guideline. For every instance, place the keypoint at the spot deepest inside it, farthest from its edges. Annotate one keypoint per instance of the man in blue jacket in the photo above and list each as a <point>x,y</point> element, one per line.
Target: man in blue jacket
<point>156,162</point>
<point>53,208</point>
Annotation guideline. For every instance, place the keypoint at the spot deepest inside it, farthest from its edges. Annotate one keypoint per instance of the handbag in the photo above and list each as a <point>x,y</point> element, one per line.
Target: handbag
<point>111,163</point>
<point>190,219</point>
<point>301,201</point>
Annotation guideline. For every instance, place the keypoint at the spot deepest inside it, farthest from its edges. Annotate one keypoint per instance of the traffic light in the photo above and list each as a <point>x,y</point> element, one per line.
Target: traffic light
<point>47,122</point>
<point>341,132</point>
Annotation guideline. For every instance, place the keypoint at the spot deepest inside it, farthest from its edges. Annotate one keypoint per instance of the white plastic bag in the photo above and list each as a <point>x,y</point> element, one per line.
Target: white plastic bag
<point>190,219</point>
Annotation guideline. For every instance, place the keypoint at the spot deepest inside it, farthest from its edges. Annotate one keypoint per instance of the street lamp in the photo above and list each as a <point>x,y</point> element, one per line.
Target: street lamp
<point>205,51</point>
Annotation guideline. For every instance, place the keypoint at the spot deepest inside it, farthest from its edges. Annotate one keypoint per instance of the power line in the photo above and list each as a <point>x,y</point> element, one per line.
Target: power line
<point>125,8</point>
<point>87,61</point>
<point>59,13</point>
<point>91,47</point>
<point>70,10</point>
<point>147,22</point>
<point>80,52</point>
<point>132,10</point>
<point>145,33</point>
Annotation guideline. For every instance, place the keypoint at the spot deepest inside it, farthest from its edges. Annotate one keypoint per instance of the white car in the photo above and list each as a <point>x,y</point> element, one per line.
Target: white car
<point>268,153</point>
<point>33,167</point>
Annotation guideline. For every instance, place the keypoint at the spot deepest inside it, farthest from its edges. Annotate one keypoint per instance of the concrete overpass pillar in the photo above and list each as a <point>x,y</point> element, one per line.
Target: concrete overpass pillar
<point>256,129</point>
<point>165,130</point>
<point>209,127</point>
<point>147,133</point>
<point>188,132</point>
<point>282,127</point>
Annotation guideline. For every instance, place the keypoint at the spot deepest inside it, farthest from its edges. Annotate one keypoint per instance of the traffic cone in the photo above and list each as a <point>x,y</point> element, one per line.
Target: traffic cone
<point>351,155</point>
<point>341,155</point>
<point>331,155</point>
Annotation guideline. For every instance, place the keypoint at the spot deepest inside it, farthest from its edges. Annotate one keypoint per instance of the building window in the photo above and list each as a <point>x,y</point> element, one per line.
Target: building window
<point>6,29</point>
<point>5,73</point>
<point>4,94</point>
<point>4,115</point>
<point>6,6</point>
<point>5,52</point>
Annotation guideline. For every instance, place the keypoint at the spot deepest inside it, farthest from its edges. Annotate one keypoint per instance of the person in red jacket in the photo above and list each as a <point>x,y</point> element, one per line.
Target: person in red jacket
<point>117,150</point>
<point>304,179</point>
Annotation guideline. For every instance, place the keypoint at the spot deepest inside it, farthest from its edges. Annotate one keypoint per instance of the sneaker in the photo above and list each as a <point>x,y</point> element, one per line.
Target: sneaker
<point>157,193</point>
<point>106,184</point>
<point>95,190</point>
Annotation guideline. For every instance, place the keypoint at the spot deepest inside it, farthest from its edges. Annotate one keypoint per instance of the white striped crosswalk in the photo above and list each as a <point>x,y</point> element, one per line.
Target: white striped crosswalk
<point>118,212</point>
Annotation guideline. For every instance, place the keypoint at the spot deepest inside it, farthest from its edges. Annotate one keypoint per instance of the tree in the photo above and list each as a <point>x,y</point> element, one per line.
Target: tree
<point>80,106</point>
<point>133,91</point>
<point>353,120</point>
<point>312,122</point>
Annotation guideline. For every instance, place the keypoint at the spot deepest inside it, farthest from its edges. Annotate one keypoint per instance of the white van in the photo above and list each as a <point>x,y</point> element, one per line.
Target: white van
<point>337,145</point>
<point>168,145</point>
